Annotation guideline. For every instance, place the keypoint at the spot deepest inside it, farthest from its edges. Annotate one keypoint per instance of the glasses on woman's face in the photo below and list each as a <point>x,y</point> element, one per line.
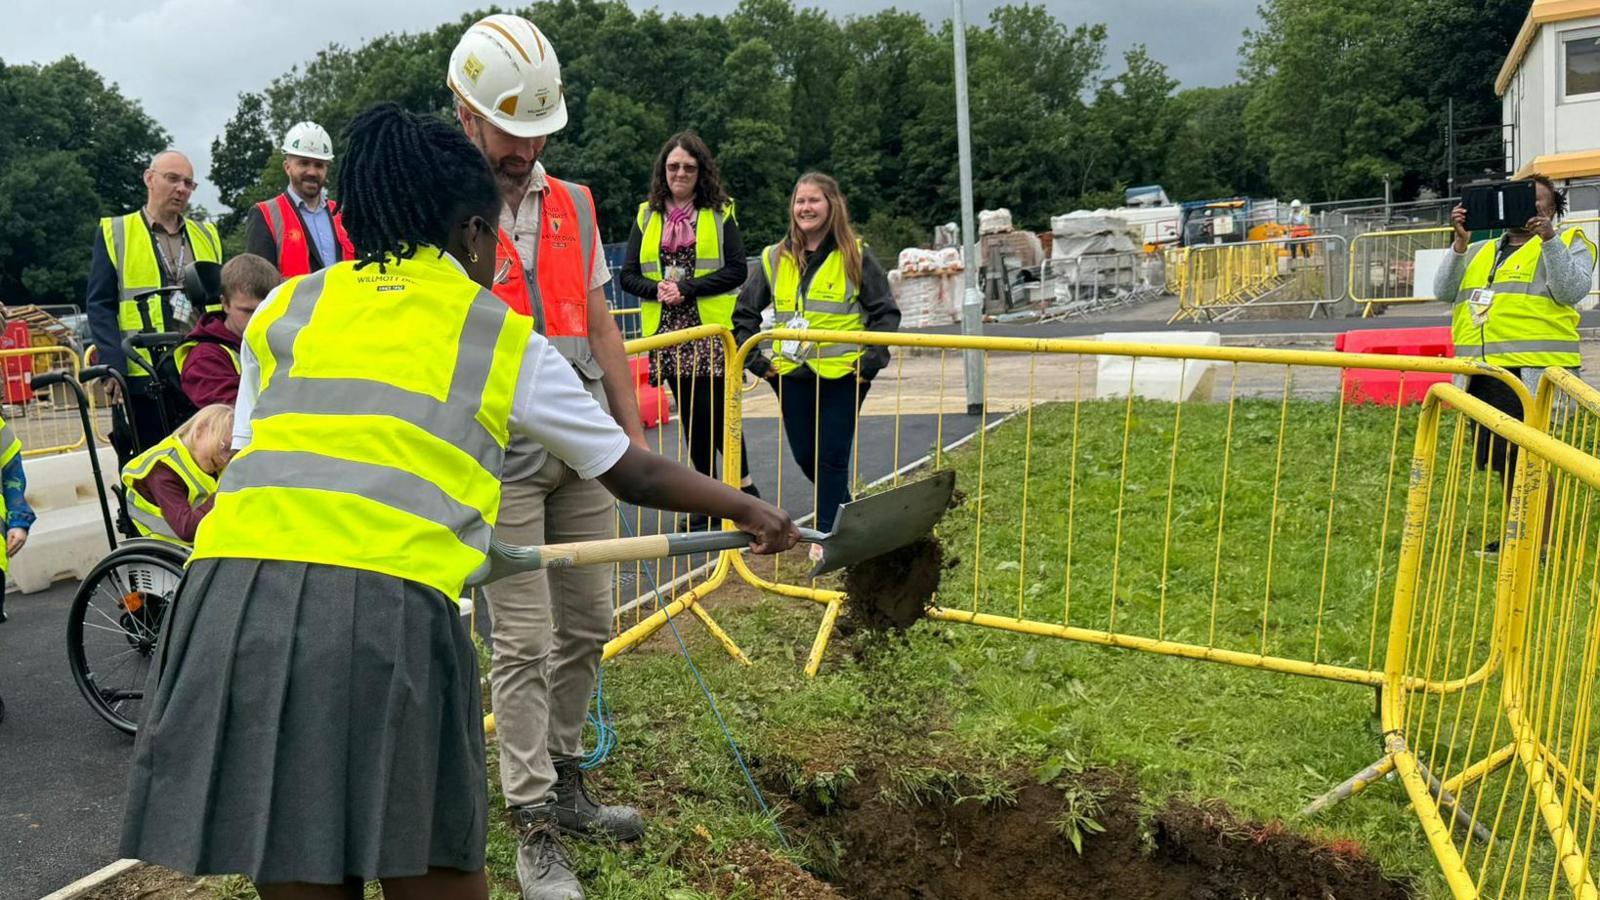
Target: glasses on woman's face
<point>685,168</point>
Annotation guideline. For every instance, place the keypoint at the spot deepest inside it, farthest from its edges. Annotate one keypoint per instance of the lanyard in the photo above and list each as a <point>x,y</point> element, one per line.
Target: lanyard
<point>171,272</point>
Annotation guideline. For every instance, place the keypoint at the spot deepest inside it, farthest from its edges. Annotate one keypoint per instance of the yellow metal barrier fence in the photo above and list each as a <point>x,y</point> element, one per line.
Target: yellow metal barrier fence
<point>1214,503</point>
<point>48,423</point>
<point>1383,264</point>
<point>1220,280</point>
<point>1502,774</point>
<point>646,596</point>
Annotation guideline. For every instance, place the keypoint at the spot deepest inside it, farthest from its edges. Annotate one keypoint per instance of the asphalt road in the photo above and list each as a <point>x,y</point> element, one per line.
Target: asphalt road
<point>63,771</point>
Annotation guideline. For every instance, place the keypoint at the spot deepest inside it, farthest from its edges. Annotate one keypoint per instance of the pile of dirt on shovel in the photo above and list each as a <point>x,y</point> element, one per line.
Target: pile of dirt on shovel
<point>893,591</point>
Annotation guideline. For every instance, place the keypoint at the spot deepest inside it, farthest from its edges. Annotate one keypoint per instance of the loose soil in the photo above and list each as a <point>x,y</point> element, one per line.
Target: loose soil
<point>955,849</point>
<point>750,870</point>
<point>149,883</point>
<point>891,592</point>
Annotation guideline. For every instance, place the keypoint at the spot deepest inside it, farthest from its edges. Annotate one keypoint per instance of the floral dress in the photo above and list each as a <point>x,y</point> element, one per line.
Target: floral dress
<point>701,358</point>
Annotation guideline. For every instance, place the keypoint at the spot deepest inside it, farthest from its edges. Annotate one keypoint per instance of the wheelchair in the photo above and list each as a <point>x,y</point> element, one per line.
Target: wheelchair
<point>115,621</point>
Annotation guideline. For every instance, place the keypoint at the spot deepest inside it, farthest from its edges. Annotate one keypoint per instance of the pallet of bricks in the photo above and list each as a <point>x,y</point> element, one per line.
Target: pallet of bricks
<point>927,286</point>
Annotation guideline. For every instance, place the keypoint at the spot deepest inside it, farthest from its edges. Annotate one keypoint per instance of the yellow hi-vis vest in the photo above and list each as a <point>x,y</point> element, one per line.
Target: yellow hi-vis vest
<point>146,516</point>
<point>1525,326</point>
<point>708,227</point>
<point>10,448</point>
<point>830,302</point>
<point>380,428</point>
<point>180,354</point>
<point>133,255</point>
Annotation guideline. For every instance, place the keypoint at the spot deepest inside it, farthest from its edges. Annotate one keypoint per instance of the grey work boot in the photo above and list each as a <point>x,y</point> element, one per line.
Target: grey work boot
<point>543,868</point>
<point>579,815</point>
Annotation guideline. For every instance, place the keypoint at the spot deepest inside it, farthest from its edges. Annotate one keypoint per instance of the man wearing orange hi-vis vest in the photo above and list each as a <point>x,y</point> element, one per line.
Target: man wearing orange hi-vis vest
<point>300,230</point>
<point>550,628</point>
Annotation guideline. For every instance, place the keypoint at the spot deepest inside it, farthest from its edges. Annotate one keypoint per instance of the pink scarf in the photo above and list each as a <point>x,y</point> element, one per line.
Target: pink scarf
<point>679,231</point>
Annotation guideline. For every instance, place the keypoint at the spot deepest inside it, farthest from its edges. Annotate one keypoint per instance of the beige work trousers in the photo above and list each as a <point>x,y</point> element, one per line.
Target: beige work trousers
<point>550,628</point>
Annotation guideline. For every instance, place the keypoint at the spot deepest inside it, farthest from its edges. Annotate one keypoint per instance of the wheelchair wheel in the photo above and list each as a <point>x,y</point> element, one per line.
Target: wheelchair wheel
<point>114,627</point>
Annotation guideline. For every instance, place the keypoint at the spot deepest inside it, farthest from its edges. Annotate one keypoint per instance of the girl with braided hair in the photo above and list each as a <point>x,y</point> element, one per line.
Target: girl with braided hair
<point>314,719</point>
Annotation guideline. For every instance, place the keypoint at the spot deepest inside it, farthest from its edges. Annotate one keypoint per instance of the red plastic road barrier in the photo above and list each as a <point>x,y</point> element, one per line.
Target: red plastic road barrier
<point>654,407</point>
<point>17,370</point>
<point>1389,388</point>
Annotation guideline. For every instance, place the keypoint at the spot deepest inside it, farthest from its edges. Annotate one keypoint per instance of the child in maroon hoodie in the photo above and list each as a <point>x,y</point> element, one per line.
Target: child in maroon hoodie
<point>208,362</point>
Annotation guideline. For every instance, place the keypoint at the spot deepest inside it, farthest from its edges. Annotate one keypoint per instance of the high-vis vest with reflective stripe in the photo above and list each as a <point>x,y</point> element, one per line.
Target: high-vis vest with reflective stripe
<point>830,302</point>
<point>133,255</point>
<point>558,296</point>
<point>146,516</point>
<point>180,353</point>
<point>294,253</point>
<point>364,452</point>
<point>1525,326</point>
<point>708,227</point>
<point>10,448</point>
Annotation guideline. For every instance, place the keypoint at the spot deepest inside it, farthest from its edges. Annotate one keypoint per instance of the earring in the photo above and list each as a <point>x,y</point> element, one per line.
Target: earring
<point>472,255</point>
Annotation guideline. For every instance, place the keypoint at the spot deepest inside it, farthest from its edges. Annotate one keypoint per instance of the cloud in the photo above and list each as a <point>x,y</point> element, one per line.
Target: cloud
<point>186,61</point>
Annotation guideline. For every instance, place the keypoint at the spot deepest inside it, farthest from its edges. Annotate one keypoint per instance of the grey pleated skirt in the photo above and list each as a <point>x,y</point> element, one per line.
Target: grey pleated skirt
<point>309,723</point>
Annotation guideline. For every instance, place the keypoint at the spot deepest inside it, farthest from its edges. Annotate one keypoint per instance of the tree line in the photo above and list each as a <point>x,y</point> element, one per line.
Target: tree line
<point>1330,99</point>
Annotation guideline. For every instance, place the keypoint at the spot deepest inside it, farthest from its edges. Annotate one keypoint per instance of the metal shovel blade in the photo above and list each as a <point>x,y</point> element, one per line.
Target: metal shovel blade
<point>886,521</point>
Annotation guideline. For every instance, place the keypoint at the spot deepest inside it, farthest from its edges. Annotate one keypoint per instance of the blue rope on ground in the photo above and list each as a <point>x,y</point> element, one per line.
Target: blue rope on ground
<point>608,737</point>
<point>600,719</point>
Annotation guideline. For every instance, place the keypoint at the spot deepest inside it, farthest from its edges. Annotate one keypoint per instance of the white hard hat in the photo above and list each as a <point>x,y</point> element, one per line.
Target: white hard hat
<point>504,70</point>
<point>1294,203</point>
<point>308,139</point>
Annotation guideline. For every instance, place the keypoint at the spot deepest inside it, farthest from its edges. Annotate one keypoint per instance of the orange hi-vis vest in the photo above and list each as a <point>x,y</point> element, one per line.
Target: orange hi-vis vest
<point>557,297</point>
<point>294,253</point>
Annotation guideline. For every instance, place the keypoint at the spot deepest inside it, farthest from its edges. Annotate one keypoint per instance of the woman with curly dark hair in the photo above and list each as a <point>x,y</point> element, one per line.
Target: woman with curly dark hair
<point>313,719</point>
<point>685,262</point>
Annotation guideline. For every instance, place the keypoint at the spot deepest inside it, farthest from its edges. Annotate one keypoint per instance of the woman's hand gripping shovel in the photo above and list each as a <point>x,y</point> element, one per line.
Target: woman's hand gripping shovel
<point>866,528</point>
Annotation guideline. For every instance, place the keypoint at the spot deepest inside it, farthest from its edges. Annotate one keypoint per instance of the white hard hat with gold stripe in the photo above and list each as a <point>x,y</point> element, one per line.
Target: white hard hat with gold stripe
<point>504,70</point>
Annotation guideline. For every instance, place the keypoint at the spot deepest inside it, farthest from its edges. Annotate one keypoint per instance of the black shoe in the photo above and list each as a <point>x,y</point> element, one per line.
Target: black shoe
<point>751,490</point>
<point>579,815</point>
<point>1490,550</point>
<point>695,522</point>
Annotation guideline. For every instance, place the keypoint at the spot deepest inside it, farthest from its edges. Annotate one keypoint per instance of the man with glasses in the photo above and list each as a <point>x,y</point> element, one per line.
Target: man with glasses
<point>136,269</point>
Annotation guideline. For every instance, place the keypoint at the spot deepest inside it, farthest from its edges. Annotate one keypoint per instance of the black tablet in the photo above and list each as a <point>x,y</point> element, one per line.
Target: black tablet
<point>1504,204</point>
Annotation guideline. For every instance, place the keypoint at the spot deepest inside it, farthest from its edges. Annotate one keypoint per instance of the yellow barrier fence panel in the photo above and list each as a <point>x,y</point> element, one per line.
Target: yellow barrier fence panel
<point>1501,772</point>
<point>646,596</point>
<point>1220,280</point>
<point>1217,503</point>
<point>46,421</point>
<point>672,373</point>
<point>1384,268</point>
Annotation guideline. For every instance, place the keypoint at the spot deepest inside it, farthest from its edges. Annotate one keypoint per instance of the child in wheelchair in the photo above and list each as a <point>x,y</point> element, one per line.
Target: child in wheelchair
<point>168,488</point>
<point>208,359</point>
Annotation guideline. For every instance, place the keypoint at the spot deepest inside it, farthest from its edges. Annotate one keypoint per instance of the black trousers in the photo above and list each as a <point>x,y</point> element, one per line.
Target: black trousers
<point>701,416</point>
<point>1495,452</point>
<point>819,421</point>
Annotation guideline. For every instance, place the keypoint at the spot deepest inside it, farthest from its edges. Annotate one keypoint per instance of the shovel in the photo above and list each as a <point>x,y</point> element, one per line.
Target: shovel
<point>866,528</point>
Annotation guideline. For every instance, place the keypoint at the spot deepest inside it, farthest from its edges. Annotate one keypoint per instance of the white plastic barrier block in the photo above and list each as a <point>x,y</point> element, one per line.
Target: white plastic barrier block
<point>64,543</point>
<point>65,479</point>
<point>1154,378</point>
<point>70,534</point>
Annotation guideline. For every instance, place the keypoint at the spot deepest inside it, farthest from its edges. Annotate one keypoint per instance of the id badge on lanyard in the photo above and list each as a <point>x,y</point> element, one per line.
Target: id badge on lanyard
<point>795,350</point>
<point>1478,303</point>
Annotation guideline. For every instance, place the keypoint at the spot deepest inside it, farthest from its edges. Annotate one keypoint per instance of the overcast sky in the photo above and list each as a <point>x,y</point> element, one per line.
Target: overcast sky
<point>186,61</point>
